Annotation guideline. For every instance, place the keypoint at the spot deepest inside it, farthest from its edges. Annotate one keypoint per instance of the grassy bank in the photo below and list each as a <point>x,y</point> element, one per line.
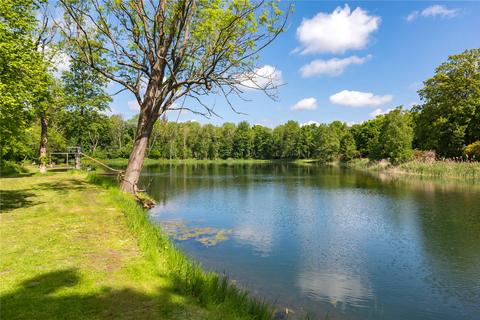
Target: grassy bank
<point>438,169</point>
<point>74,249</point>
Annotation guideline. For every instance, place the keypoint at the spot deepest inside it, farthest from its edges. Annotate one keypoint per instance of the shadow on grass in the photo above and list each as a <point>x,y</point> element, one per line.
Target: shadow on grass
<point>45,297</point>
<point>16,175</point>
<point>14,199</point>
<point>63,186</point>
<point>64,169</point>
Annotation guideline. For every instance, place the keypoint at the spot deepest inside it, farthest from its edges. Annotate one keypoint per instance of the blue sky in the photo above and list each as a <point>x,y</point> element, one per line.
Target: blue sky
<point>376,59</point>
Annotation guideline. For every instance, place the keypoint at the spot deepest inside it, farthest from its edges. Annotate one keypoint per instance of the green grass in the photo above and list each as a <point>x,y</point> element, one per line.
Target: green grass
<point>437,169</point>
<point>72,249</point>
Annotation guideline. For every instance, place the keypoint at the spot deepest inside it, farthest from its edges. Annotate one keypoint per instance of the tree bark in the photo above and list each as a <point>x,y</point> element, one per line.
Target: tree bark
<point>135,162</point>
<point>42,150</point>
<point>77,154</point>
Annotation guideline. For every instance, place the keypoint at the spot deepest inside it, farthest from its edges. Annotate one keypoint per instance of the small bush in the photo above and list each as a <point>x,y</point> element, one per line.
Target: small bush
<point>472,151</point>
<point>10,168</point>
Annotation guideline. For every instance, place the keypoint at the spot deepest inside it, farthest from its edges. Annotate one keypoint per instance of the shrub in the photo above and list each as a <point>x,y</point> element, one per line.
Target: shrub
<point>472,151</point>
<point>10,168</point>
<point>426,156</point>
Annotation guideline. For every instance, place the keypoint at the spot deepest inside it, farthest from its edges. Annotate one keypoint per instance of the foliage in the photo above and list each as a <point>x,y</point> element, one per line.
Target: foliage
<point>396,137</point>
<point>23,76</point>
<point>449,119</point>
<point>166,52</point>
<point>85,100</point>
<point>366,137</point>
<point>242,141</point>
<point>472,151</point>
<point>10,168</point>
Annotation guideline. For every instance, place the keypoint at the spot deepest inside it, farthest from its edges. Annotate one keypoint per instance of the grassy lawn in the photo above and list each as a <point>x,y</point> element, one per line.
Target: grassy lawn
<point>73,250</point>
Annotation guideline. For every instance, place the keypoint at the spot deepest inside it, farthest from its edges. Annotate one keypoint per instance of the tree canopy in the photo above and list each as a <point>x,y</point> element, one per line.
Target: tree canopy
<point>449,118</point>
<point>23,73</point>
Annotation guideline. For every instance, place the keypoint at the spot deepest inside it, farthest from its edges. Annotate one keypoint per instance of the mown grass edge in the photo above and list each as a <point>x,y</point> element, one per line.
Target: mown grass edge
<point>210,289</point>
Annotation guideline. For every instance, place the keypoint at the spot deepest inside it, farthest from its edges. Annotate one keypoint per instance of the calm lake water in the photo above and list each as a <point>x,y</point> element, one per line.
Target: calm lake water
<point>329,242</point>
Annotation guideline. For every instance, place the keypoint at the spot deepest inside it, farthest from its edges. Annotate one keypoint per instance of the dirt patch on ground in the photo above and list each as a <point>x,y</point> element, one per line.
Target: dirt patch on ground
<point>108,260</point>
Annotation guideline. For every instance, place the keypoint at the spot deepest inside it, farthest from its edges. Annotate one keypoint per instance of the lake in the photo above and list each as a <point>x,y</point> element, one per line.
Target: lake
<point>328,242</point>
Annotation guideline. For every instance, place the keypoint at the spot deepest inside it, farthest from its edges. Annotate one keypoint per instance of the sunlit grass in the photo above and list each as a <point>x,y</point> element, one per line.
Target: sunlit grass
<point>70,249</point>
<point>189,278</point>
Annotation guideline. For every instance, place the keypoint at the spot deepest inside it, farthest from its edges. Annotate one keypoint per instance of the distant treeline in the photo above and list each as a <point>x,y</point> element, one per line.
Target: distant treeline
<point>447,122</point>
<point>391,136</point>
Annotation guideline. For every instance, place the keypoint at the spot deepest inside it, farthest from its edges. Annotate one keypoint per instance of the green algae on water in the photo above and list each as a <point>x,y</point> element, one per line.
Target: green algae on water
<point>208,236</point>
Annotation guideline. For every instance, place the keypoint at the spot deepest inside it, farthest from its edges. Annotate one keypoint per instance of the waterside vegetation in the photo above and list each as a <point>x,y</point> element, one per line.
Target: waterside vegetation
<point>447,169</point>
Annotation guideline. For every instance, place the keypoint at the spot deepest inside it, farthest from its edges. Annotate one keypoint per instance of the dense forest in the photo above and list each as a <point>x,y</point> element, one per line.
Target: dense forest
<point>42,112</point>
<point>441,124</point>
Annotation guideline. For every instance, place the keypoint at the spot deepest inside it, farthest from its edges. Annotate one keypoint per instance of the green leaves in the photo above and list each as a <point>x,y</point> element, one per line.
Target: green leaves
<point>449,117</point>
<point>396,136</point>
<point>23,73</point>
<point>85,99</point>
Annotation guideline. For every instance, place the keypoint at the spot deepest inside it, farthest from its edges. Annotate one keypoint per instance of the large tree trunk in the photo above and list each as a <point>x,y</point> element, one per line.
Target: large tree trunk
<point>135,162</point>
<point>42,150</point>
<point>77,154</point>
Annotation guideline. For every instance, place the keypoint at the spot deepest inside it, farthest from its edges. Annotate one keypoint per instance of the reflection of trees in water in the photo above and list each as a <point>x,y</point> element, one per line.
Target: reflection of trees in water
<point>164,180</point>
<point>448,220</point>
<point>451,238</point>
<point>444,217</point>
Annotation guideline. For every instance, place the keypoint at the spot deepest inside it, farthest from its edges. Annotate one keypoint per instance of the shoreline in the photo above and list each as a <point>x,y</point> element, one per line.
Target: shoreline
<point>445,170</point>
<point>448,170</point>
<point>121,252</point>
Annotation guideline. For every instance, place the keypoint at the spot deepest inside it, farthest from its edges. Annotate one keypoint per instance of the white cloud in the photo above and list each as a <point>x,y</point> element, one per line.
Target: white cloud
<point>337,32</point>
<point>331,67</point>
<point>412,16</point>
<point>359,99</point>
<point>62,63</point>
<point>433,11</point>
<point>133,105</point>
<point>305,104</point>
<point>310,123</point>
<point>378,112</point>
<point>59,59</point>
<point>265,77</point>
<point>438,10</point>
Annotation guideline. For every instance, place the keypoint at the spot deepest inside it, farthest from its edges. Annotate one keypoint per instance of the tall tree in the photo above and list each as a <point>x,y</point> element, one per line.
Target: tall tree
<point>227,131</point>
<point>22,73</point>
<point>366,137</point>
<point>449,118</point>
<point>242,141</point>
<point>348,149</point>
<point>48,98</point>
<point>85,98</point>
<point>165,50</point>
<point>396,136</point>
<point>262,142</point>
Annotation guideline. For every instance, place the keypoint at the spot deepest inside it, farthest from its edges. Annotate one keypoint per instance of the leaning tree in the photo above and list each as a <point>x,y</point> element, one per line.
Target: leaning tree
<point>165,51</point>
